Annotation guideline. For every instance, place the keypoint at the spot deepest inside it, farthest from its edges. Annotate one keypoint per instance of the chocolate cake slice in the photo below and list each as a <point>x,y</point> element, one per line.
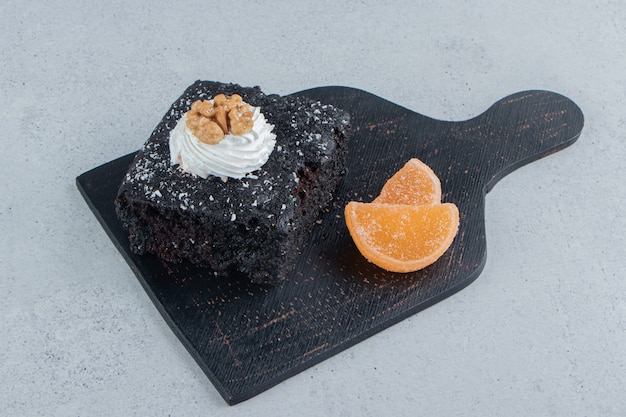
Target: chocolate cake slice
<point>257,224</point>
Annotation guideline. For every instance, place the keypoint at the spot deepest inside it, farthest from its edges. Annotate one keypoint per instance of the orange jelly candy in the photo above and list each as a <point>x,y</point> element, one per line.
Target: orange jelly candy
<point>415,183</point>
<point>406,228</point>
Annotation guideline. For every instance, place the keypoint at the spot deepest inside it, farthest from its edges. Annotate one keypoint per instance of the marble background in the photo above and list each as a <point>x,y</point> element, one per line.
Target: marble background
<point>541,332</point>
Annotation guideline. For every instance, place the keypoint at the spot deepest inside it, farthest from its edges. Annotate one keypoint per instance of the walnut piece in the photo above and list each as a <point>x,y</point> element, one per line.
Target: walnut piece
<point>211,121</point>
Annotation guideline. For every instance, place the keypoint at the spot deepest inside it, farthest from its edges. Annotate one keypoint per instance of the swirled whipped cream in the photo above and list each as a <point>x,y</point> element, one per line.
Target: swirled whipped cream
<point>234,156</point>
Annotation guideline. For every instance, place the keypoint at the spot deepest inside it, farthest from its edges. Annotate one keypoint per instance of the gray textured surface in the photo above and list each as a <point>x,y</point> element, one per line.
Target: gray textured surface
<point>541,332</point>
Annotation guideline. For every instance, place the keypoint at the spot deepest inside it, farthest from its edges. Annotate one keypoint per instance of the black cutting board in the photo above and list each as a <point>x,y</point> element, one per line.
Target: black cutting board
<point>248,338</point>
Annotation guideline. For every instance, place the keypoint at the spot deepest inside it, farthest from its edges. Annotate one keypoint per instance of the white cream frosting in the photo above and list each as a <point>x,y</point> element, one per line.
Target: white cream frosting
<point>233,156</point>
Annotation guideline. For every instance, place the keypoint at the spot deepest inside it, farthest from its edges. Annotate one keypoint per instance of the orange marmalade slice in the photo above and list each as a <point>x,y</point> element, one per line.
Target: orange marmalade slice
<point>402,238</point>
<point>406,228</point>
<point>415,183</point>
